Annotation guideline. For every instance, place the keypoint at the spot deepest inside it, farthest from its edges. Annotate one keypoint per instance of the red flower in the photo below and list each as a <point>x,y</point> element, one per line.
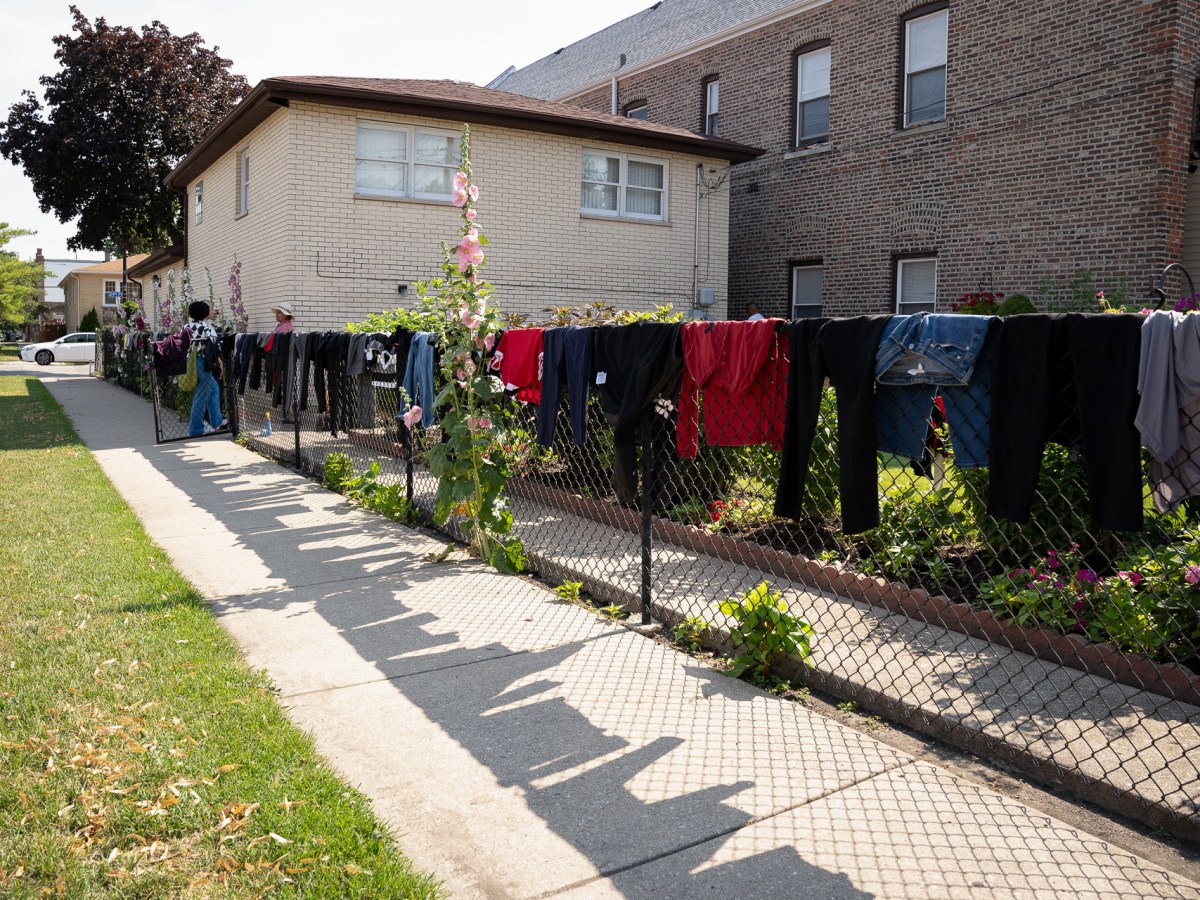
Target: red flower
<point>715,509</point>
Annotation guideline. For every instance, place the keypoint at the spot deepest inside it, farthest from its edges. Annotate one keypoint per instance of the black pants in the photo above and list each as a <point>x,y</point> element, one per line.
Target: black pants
<point>565,351</point>
<point>1072,379</point>
<point>842,350</point>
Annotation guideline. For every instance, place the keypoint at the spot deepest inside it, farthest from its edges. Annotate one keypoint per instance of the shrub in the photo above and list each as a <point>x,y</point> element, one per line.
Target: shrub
<point>338,470</point>
<point>1015,304</point>
<point>90,322</point>
<point>766,629</point>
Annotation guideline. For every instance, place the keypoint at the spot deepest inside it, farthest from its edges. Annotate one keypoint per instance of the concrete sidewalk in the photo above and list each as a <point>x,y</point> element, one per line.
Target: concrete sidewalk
<point>526,748</point>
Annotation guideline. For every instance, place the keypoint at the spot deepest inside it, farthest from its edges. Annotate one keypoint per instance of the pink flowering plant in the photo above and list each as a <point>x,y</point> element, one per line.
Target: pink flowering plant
<point>1063,592</point>
<point>470,464</point>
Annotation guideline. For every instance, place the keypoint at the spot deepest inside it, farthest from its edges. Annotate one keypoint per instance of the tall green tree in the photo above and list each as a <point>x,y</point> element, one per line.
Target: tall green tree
<point>20,282</point>
<point>122,110</point>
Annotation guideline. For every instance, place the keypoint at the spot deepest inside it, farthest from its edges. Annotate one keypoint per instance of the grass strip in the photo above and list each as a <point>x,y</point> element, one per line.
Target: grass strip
<point>139,755</point>
<point>9,353</point>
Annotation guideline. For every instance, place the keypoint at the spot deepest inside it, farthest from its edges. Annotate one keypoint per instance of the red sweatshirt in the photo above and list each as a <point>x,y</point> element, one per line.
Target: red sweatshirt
<point>520,362</point>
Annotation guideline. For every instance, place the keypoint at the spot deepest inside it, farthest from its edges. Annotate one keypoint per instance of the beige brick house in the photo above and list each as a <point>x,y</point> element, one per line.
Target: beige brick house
<point>335,195</point>
<point>97,287</point>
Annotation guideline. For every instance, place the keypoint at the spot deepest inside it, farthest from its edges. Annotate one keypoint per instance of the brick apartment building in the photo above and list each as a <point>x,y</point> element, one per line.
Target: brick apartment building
<point>917,151</point>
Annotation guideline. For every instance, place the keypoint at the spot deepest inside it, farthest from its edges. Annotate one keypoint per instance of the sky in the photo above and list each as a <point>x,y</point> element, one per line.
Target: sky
<point>468,40</point>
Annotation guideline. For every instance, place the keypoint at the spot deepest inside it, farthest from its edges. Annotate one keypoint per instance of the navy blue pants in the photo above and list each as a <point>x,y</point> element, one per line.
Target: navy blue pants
<point>565,351</point>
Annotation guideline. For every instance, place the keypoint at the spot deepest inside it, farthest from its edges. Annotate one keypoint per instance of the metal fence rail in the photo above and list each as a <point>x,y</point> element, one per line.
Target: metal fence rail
<point>1065,648</point>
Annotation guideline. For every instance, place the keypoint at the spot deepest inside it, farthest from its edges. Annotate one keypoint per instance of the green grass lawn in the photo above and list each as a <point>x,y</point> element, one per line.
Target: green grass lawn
<point>8,353</point>
<point>139,755</point>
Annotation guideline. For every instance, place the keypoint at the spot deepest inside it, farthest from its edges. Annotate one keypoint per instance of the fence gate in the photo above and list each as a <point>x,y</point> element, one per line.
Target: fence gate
<point>209,410</point>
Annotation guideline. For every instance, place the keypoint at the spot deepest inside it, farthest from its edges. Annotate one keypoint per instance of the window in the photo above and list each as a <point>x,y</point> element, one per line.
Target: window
<point>403,161</point>
<point>925,67</point>
<point>808,281</point>
<point>623,185</point>
<point>712,105</point>
<point>916,285</point>
<point>199,202</point>
<point>637,110</point>
<point>112,293</point>
<point>812,97</point>
<point>243,181</point>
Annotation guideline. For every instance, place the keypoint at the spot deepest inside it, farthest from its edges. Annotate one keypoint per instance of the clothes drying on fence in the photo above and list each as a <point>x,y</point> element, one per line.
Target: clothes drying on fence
<point>308,352</point>
<point>331,383</point>
<point>842,350</point>
<point>635,364</point>
<point>920,357</point>
<point>518,359</point>
<point>1071,379</point>
<point>419,386</point>
<point>280,359</point>
<point>1168,417</point>
<point>566,353</point>
<point>171,353</point>
<point>241,359</point>
<point>741,368</point>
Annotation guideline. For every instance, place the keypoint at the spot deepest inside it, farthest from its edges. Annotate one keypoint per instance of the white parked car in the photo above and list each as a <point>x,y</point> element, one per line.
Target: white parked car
<point>77,347</point>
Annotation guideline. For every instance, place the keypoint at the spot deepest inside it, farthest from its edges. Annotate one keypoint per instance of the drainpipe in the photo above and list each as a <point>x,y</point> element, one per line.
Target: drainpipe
<point>696,245</point>
<point>614,95</point>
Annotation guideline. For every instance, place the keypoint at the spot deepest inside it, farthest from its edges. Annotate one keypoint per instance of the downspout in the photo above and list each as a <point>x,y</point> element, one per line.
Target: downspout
<point>614,95</point>
<point>696,245</point>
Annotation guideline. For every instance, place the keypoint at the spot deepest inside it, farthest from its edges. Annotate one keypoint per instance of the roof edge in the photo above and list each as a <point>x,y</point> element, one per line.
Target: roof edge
<point>696,46</point>
<point>158,259</point>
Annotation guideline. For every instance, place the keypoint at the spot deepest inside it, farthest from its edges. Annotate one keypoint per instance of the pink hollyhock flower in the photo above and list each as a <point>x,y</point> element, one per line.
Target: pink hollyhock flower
<point>471,214</point>
<point>473,193</point>
<point>461,375</point>
<point>1192,574</point>
<point>489,341</point>
<point>461,181</point>
<point>459,197</point>
<point>411,417</point>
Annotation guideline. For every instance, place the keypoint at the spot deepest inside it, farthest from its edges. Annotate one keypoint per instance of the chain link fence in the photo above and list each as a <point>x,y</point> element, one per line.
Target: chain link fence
<point>1057,636</point>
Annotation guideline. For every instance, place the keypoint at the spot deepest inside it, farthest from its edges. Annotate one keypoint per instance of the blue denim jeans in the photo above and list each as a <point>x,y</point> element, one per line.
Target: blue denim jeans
<point>418,378</point>
<point>205,401</point>
<point>920,356</point>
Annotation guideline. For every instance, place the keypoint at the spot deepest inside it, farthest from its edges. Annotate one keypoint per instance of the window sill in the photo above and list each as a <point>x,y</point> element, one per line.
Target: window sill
<point>811,150</point>
<point>922,128</point>
<point>424,201</point>
<point>602,218</point>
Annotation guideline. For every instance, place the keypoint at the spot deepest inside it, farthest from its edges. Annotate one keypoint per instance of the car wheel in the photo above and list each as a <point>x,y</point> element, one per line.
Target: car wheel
<point>43,357</point>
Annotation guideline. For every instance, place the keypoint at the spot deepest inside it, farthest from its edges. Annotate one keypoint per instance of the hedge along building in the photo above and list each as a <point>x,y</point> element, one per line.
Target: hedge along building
<point>917,151</point>
<point>335,195</point>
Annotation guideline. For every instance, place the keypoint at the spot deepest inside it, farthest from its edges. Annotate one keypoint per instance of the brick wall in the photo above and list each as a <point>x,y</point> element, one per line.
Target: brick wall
<point>336,257</point>
<point>1065,146</point>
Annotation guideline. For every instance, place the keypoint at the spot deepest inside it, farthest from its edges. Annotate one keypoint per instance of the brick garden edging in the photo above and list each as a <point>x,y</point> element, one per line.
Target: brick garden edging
<point>1105,660</point>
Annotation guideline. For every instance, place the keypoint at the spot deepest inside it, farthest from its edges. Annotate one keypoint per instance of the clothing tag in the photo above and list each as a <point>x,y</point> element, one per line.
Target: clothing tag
<point>919,370</point>
<point>601,377</point>
<point>511,387</point>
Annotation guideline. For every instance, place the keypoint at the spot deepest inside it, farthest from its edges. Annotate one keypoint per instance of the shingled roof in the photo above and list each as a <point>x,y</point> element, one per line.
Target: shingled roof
<point>452,100</point>
<point>665,29</point>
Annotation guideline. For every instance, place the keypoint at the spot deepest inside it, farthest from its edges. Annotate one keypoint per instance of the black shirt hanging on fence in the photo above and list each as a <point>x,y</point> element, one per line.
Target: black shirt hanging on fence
<point>842,350</point>
<point>635,364</point>
<point>1072,379</point>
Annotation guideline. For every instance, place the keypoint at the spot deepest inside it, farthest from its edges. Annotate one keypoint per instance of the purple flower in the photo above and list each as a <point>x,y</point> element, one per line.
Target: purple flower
<point>1086,576</point>
<point>1192,574</point>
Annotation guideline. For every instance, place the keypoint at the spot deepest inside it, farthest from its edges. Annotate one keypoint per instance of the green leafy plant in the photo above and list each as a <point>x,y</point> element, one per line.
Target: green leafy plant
<point>90,322</point>
<point>766,629</point>
<point>427,317</point>
<point>1015,304</point>
<point>847,707</point>
<point>691,632</point>
<point>569,591</point>
<point>613,612</point>
<point>381,497</point>
<point>338,469</point>
<point>471,472</point>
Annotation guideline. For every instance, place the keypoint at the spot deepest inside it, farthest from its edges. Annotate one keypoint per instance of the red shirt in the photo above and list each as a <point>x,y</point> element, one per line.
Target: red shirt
<point>519,354</point>
<point>741,368</point>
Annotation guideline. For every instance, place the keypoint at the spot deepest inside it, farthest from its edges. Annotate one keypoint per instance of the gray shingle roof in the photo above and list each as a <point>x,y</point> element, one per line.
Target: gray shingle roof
<point>664,28</point>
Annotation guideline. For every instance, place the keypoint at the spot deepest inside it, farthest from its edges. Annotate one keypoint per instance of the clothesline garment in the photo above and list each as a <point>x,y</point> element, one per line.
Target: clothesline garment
<point>419,389</point>
<point>518,358</point>
<point>842,350</point>
<point>921,356</point>
<point>741,369</point>
<point>1168,417</point>
<point>635,365</point>
<point>1072,379</point>
<point>566,353</point>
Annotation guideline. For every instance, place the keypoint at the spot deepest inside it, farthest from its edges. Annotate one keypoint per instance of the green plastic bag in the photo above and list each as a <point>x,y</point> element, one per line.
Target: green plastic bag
<point>187,381</point>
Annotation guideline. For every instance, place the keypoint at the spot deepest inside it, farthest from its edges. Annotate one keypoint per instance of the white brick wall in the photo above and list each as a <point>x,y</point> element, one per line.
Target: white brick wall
<point>307,239</point>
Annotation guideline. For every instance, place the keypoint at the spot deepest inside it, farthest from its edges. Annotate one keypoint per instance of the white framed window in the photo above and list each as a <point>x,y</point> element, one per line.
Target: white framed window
<point>637,110</point>
<point>243,181</point>
<point>712,106</point>
<point>112,293</point>
<point>624,185</point>
<point>916,285</point>
<point>812,96</point>
<point>808,283</point>
<point>199,202</point>
<point>925,52</point>
<point>393,160</point>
